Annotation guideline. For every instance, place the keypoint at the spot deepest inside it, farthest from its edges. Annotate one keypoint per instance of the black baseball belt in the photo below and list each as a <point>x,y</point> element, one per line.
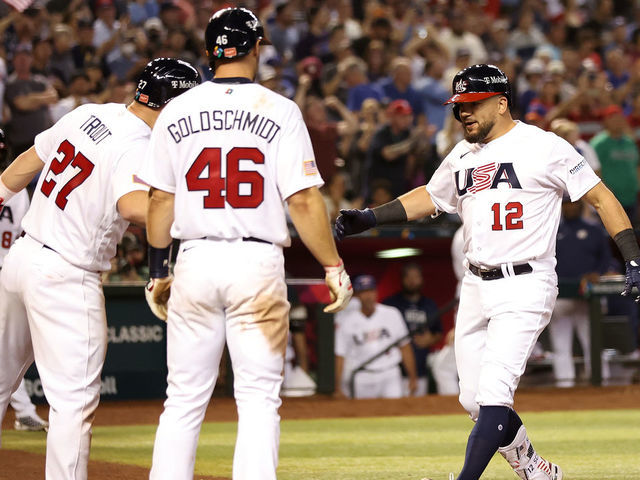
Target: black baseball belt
<point>496,273</point>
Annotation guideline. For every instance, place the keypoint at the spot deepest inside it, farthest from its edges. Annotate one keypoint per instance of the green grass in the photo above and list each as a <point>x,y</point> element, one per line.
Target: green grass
<point>589,445</point>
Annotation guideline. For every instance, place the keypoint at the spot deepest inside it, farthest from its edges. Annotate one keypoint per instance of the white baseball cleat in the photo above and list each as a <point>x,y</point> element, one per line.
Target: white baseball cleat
<point>451,477</point>
<point>31,423</point>
<point>547,471</point>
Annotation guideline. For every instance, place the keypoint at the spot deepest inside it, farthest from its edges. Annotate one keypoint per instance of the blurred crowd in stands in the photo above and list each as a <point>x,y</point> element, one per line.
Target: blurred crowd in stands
<point>369,76</point>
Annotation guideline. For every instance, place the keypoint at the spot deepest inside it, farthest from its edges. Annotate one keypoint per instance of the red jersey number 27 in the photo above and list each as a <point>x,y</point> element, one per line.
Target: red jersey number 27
<point>214,183</point>
<point>69,157</point>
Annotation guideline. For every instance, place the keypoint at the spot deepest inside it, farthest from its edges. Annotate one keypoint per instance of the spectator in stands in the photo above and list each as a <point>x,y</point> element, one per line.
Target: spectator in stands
<point>377,58</point>
<point>354,72</point>
<point>530,84</point>
<point>339,52</point>
<point>458,37</point>
<point>569,131</point>
<point>381,192</point>
<point>28,97</point>
<point>108,32</point>
<point>84,51</point>
<point>142,10</point>
<point>283,32</point>
<point>547,99</point>
<point>78,89</point>
<point>314,42</point>
<point>62,65</point>
<point>334,195</point>
<point>327,136</point>
<point>393,147</point>
<point>583,254</point>
<point>432,93</point>
<point>527,37</point>
<point>420,315</point>
<point>398,87</point>
<point>373,330</point>
<point>41,54</point>
<point>618,155</point>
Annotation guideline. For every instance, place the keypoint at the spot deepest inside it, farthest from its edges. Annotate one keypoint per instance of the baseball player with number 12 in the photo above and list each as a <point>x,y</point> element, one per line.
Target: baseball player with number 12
<point>505,180</point>
<point>223,160</point>
<point>51,299</point>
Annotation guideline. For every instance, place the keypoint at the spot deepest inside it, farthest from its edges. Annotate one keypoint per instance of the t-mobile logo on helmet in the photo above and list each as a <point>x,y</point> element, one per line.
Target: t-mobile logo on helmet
<point>495,79</point>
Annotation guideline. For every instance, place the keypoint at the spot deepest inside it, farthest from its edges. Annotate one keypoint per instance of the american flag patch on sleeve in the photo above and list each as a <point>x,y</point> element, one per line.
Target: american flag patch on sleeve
<point>310,167</point>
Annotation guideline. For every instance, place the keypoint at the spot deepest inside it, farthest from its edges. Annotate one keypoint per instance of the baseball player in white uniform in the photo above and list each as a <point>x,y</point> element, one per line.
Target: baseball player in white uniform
<point>505,180</point>
<point>51,299</point>
<point>365,332</point>
<point>223,160</point>
<point>10,217</point>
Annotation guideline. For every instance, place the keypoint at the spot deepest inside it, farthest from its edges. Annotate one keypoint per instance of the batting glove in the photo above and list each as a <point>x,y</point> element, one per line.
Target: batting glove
<point>157,294</point>
<point>350,222</point>
<point>632,277</point>
<point>340,287</point>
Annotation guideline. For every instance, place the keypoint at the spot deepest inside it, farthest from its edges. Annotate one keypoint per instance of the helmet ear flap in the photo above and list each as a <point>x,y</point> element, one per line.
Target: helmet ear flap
<point>456,111</point>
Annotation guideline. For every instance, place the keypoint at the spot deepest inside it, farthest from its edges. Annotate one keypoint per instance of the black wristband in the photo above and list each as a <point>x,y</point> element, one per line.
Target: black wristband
<point>159,261</point>
<point>392,212</point>
<point>627,244</point>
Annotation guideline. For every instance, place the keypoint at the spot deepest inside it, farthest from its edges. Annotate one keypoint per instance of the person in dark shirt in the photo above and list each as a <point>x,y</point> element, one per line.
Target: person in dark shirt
<point>583,255</point>
<point>418,312</point>
<point>391,151</point>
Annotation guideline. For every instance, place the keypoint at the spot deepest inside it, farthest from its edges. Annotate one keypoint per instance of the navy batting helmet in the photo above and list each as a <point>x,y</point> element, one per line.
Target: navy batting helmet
<point>232,33</point>
<point>478,82</point>
<point>163,79</point>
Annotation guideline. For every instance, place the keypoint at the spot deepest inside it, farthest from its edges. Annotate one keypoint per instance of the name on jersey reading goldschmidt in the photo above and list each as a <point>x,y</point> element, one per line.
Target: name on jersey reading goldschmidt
<point>240,120</point>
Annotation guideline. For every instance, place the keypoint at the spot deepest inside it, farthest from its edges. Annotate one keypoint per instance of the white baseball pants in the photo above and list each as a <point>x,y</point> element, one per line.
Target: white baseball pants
<point>54,311</point>
<point>233,291</point>
<point>376,384</point>
<point>498,324</point>
<point>569,314</point>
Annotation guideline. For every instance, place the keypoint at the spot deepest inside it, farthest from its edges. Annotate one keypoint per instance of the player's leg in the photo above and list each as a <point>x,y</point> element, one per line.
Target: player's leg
<point>25,411</point>
<point>257,326</point>
<point>516,322</point>
<point>390,382</point>
<point>16,353</point>
<point>561,336</point>
<point>68,327</point>
<point>583,331</point>
<point>195,343</point>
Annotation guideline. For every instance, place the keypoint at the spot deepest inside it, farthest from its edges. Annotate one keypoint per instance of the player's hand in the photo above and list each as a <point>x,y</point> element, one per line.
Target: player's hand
<point>340,287</point>
<point>632,278</point>
<point>353,221</point>
<point>413,386</point>
<point>157,294</point>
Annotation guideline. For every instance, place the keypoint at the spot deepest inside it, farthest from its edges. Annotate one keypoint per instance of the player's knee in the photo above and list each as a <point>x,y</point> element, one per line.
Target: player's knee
<point>468,401</point>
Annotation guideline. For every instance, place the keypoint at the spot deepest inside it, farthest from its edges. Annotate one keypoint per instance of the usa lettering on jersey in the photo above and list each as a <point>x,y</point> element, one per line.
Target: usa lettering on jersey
<point>486,176</point>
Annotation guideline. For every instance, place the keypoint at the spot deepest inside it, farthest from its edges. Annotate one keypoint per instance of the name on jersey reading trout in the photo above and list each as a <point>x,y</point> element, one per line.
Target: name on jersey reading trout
<point>95,129</point>
<point>221,120</point>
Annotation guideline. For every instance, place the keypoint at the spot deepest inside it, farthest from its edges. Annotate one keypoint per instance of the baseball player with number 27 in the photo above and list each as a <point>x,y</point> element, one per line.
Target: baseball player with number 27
<point>51,299</point>
<point>223,160</point>
<point>505,180</point>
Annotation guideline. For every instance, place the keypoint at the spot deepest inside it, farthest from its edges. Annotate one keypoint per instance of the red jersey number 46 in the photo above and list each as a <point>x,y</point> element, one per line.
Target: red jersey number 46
<point>210,159</point>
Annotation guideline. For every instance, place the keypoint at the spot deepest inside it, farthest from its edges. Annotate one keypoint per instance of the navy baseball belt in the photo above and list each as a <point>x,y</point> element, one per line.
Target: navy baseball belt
<point>496,273</point>
<point>244,239</point>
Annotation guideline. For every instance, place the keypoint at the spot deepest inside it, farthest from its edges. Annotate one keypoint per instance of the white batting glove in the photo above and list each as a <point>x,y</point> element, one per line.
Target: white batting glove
<point>340,287</point>
<point>157,294</point>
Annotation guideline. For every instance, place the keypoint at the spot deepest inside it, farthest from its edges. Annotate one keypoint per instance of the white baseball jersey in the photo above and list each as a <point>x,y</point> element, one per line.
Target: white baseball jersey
<point>10,218</point>
<point>358,338</point>
<point>508,193</point>
<point>231,154</point>
<point>91,157</point>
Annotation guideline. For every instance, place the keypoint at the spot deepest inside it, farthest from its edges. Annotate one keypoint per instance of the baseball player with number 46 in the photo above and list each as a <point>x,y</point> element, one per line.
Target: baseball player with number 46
<point>223,161</point>
<point>505,180</point>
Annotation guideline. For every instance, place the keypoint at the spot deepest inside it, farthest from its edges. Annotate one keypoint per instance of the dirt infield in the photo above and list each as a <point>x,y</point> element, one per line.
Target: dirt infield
<point>17,465</point>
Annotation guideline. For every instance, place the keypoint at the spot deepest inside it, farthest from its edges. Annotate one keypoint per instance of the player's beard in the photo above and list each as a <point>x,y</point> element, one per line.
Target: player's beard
<point>481,134</point>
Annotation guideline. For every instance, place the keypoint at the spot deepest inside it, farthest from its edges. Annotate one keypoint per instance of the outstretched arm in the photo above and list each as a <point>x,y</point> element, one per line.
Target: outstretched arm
<point>18,175</point>
<point>617,223</point>
<point>410,206</point>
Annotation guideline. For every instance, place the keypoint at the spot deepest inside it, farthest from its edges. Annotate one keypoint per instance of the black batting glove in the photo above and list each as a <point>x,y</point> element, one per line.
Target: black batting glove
<point>632,278</point>
<point>353,221</point>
